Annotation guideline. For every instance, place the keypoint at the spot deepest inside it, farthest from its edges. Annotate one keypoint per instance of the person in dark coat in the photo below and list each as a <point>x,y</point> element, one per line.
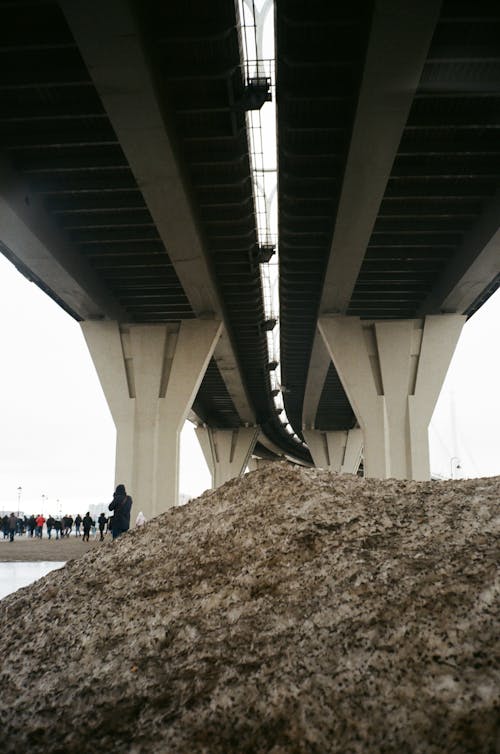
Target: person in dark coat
<point>78,523</point>
<point>102,521</point>
<point>12,526</point>
<point>120,505</point>
<point>57,527</point>
<point>88,523</point>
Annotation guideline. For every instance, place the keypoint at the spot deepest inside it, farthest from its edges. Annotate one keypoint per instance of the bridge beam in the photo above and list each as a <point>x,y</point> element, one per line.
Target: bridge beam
<point>41,251</point>
<point>112,45</point>
<point>227,451</point>
<point>392,372</point>
<point>150,375</point>
<point>338,451</point>
<point>400,36</point>
<point>475,264</point>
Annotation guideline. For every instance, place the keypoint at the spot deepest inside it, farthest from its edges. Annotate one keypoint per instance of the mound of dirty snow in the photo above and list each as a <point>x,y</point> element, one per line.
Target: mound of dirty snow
<point>289,611</point>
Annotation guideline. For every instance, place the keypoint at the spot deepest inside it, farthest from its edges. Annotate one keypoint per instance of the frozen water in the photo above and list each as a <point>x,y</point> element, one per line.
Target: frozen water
<point>15,575</point>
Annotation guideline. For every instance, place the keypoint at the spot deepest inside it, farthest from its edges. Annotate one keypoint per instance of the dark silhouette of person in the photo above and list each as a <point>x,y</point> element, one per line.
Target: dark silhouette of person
<point>120,505</point>
<point>88,523</point>
<point>12,526</point>
<point>102,521</point>
<point>57,527</point>
<point>78,523</point>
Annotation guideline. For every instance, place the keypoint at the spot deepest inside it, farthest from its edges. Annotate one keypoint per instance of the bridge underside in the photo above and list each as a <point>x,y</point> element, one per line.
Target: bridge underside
<point>62,146</point>
<point>126,183</point>
<point>444,174</point>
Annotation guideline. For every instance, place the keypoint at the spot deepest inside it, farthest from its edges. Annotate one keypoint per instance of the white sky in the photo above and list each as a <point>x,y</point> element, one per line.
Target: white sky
<point>58,438</point>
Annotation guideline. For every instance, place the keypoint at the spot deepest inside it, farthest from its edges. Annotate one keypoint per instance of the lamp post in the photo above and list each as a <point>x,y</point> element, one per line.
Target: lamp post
<point>457,466</point>
<point>19,490</point>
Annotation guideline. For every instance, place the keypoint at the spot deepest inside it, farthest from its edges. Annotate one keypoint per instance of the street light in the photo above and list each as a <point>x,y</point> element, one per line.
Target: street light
<point>19,490</point>
<point>454,458</point>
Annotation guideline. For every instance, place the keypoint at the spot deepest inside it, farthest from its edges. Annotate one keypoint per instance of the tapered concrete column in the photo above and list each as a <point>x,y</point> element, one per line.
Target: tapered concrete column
<point>392,372</point>
<point>227,451</point>
<point>150,375</point>
<point>337,451</point>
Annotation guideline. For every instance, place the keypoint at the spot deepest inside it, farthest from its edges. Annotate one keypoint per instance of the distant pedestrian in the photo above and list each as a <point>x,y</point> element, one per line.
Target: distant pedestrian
<point>31,525</point>
<point>78,523</point>
<point>88,523</point>
<point>69,526</point>
<point>50,525</point>
<point>40,520</point>
<point>57,527</point>
<point>12,526</point>
<point>5,526</point>
<point>102,521</point>
<point>120,505</point>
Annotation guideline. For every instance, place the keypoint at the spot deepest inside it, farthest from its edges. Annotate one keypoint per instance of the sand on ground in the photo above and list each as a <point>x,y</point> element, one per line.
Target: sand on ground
<point>292,611</point>
<point>27,549</point>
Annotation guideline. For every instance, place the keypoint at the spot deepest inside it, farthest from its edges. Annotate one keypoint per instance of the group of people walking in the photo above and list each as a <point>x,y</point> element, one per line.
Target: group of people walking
<point>118,523</point>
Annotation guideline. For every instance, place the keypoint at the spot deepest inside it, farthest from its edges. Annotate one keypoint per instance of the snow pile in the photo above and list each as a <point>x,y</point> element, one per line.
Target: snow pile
<point>291,611</point>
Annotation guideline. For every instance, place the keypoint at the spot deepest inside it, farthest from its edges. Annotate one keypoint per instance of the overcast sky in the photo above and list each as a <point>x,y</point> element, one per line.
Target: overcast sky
<point>58,438</point>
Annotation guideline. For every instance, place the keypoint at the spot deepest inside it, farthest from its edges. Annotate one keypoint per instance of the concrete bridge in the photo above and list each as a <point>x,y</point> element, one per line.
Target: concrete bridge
<point>126,194</point>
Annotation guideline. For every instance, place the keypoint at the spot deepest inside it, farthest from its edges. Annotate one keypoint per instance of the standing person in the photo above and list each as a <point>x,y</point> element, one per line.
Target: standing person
<point>78,523</point>
<point>120,505</point>
<point>12,526</point>
<point>50,525</point>
<point>57,527</point>
<point>40,520</point>
<point>31,525</point>
<point>88,523</point>
<point>102,521</point>
<point>69,525</point>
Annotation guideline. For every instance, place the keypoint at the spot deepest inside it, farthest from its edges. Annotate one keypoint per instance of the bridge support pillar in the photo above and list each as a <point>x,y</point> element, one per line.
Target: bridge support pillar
<point>336,451</point>
<point>150,375</point>
<point>392,372</point>
<point>227,451</point>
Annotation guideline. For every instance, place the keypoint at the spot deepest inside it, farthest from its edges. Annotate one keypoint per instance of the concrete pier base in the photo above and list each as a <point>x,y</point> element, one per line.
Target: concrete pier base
<point>227,451</point>
<point>392,372</point>
<point>150,375</point>
<point>337,451</point>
